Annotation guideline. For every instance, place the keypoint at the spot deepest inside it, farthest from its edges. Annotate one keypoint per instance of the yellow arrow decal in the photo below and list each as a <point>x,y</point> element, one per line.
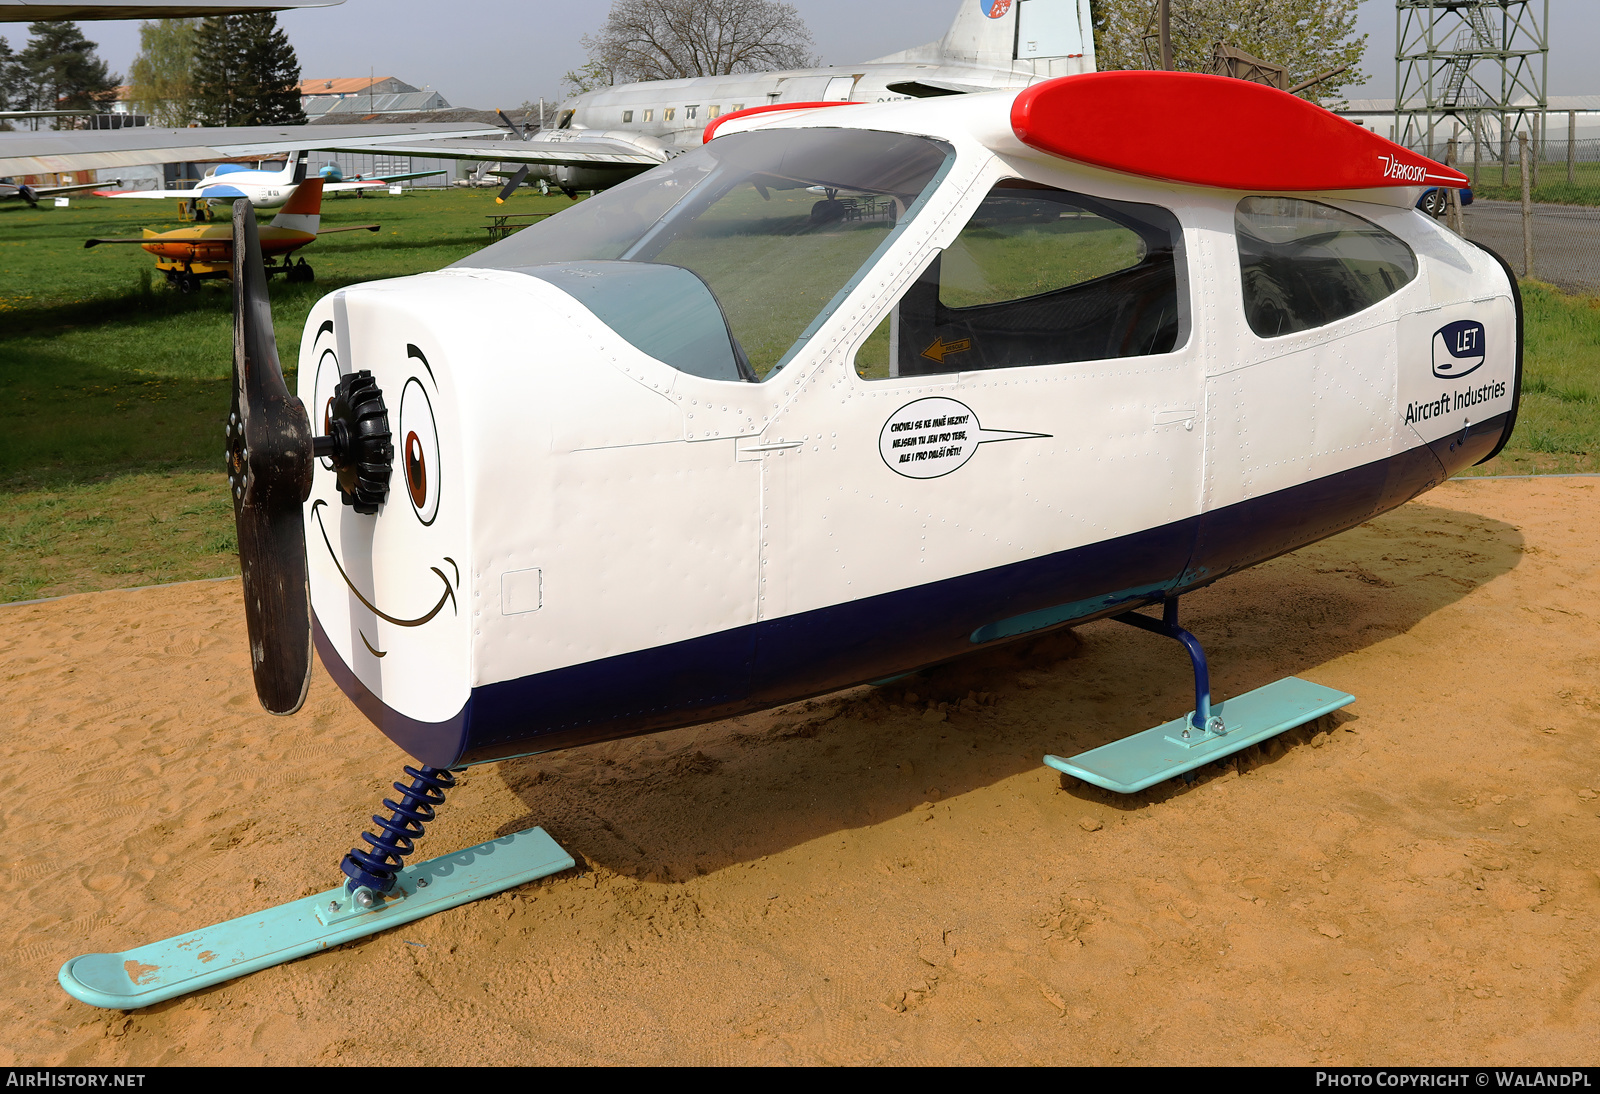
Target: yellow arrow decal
<point>941,348</point>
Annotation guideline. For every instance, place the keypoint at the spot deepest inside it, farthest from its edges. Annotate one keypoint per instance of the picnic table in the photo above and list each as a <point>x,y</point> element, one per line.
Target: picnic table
<point>501,224</point>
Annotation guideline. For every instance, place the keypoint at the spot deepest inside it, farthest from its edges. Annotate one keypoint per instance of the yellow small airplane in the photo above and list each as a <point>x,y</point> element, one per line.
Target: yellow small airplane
<point>190,255</point>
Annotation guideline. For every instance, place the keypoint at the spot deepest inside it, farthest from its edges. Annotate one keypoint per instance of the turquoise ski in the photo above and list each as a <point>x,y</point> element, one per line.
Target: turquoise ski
<point>176,966</point>
<point>1144,759</point>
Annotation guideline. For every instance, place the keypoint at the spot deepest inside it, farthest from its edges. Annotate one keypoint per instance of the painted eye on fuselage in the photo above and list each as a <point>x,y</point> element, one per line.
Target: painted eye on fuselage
<point>416,470</point>
<point>419,451</point>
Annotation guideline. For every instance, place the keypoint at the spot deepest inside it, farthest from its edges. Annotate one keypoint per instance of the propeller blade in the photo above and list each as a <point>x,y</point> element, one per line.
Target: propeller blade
<point>511,186</point>
<point>511,125</point>
<point>269,470</point>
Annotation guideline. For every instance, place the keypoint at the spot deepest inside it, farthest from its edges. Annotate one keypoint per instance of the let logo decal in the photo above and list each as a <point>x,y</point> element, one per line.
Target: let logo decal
<point>1457,349</point>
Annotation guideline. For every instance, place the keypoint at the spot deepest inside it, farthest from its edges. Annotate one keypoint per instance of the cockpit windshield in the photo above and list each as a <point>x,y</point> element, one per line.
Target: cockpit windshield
<point>777,225</point>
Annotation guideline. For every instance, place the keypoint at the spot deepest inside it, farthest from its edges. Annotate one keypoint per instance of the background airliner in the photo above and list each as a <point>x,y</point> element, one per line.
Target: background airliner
<point>606,136</point>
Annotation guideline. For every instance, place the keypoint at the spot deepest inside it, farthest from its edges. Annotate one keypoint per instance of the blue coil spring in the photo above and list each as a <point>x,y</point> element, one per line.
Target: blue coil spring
<point>405,824</point>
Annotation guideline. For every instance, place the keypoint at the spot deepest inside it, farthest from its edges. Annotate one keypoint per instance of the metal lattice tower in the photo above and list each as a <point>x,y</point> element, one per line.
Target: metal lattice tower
<point>1483,63</point>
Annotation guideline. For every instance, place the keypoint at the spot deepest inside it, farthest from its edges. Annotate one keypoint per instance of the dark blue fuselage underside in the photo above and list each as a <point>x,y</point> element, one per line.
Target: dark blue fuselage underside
<point>781,660</point>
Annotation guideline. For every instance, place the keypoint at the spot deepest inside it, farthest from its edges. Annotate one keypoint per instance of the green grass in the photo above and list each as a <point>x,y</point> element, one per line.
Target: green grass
<point>1584,189</point>
<point>1558,424</point>
<point>116,387</point>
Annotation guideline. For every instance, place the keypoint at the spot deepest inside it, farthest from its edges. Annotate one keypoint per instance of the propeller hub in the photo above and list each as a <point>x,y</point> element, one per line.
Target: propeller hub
<point>359,442</point>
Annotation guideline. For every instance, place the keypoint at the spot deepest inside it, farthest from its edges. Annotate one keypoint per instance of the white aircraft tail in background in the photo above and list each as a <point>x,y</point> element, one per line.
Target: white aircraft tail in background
<point>1045,37</point>
<point>607,136</point>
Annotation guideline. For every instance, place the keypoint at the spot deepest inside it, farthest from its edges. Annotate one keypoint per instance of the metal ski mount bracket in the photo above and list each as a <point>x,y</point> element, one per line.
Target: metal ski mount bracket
<point>1205,734</point>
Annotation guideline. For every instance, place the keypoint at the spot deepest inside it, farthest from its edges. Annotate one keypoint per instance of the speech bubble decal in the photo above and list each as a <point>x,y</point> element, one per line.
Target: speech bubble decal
<point>932,437</point>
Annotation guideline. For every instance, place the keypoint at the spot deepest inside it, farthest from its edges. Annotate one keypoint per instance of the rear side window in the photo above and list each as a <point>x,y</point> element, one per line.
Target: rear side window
<point>1305,264</point>
<point>1039,276</point>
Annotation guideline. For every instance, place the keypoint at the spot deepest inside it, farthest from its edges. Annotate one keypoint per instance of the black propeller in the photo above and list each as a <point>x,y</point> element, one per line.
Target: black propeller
<point>522,172</point>
<point>511,186</point>
<point>520,130</point>
<point>271,459</point>
<point>270,464</point>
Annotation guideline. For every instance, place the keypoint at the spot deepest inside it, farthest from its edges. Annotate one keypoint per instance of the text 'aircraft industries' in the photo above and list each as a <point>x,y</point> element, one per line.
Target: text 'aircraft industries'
<point>190,255</point>
<point>265,187</point>
<point>841,394</point>
<point>607,136</point>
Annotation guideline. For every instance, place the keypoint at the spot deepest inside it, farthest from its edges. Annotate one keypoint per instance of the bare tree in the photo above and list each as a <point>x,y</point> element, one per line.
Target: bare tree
<point>674,39</point>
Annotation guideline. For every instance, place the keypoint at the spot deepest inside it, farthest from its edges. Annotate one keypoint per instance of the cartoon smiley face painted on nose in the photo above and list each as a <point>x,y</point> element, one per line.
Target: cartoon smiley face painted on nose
<point>388,588</point>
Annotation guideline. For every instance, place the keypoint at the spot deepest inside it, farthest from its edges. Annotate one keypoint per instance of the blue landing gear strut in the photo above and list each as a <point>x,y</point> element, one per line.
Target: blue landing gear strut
<point>1208,732</point>
<point>381,892</point>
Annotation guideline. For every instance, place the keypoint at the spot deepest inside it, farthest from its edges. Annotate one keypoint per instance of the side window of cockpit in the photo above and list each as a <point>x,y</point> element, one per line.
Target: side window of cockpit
<point>1039,276</point>
<point>1304,264</point>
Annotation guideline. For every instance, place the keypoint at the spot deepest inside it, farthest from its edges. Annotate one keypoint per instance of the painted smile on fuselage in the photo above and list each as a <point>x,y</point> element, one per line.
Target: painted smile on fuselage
<point>446,597</point>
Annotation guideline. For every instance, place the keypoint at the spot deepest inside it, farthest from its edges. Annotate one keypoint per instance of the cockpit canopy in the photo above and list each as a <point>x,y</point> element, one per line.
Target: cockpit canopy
<point>759,234</point>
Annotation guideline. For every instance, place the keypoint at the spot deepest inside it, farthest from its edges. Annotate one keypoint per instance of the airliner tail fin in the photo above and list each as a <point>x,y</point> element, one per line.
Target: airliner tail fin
<point>1052,37</point>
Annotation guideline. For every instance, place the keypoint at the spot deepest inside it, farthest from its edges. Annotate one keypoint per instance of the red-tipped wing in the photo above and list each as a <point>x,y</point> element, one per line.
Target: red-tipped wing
<point>1212,131</point>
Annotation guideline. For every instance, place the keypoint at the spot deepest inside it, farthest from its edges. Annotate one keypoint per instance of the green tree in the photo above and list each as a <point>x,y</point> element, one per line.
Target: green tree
<point>59,69</point>
<point>245,72</point>
<point>8,78</point>
<point>162,73</point>
<point>589,77</point>
<point>1308,37</point>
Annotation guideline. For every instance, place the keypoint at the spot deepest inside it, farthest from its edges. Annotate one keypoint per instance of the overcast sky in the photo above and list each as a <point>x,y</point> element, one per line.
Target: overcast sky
<point>488,53</point>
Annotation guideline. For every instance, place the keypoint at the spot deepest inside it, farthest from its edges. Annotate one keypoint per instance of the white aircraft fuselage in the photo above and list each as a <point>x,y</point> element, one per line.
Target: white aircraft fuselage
<point>850,391</point>
<point>266,189</point>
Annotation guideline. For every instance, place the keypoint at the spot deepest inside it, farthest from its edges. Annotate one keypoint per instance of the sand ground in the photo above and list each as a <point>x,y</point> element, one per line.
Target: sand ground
<point>861,879</point>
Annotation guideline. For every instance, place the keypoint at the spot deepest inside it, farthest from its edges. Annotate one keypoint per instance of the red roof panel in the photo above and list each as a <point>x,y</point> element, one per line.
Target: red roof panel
<point>1212,131</point>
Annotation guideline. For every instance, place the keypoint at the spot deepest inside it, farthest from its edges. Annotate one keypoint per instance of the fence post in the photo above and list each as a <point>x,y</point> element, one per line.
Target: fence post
<point>1453,195</point>
<point>1477,151</point>
<point>1527,206</point>
<point>1572,145</point>
<point>1538,146</point>
<point>1505,151</point>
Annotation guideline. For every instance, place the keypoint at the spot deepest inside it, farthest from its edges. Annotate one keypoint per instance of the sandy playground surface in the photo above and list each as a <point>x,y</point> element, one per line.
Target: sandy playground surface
<point>860,879</point>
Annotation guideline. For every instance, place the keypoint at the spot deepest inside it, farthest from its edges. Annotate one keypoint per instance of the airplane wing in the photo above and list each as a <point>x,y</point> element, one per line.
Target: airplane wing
<point>52,191</point>
<point>153,194</point>
<point>376,182</point>
<point>401,178</point>
<point>577,152</point>
<point>86,149</point>
<point>19,115</point>
<point>25,11</point>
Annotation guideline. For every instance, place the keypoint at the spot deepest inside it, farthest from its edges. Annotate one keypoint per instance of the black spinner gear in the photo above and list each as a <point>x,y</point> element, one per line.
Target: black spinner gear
<point>363,455</point>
